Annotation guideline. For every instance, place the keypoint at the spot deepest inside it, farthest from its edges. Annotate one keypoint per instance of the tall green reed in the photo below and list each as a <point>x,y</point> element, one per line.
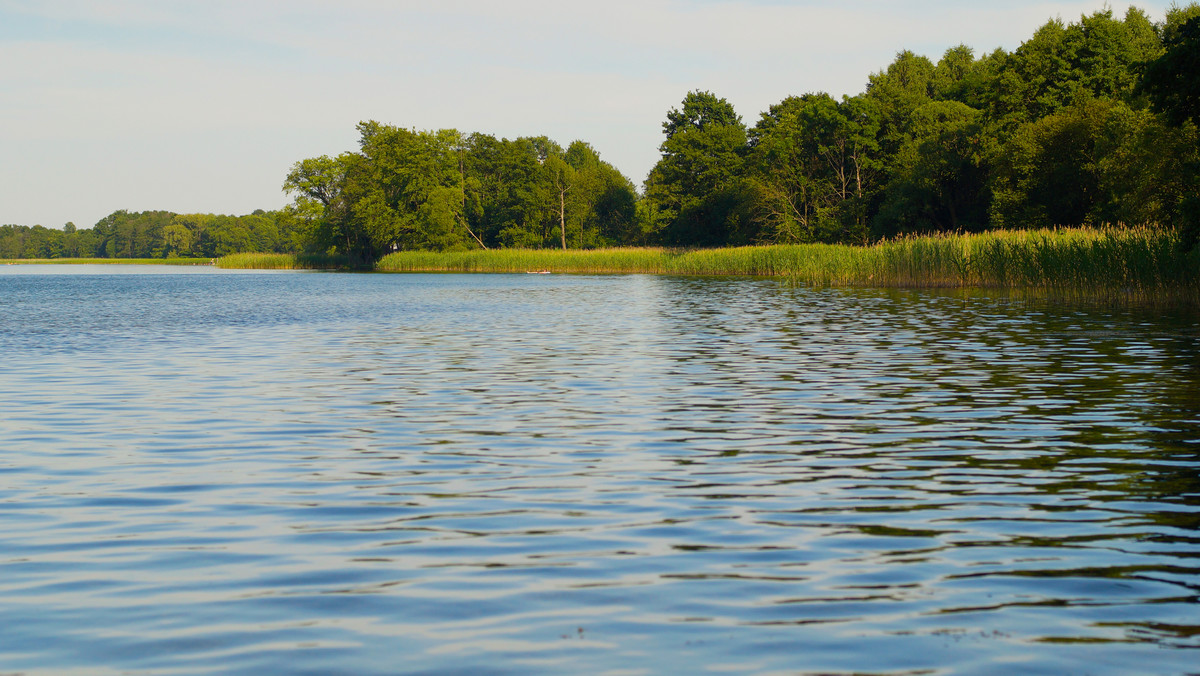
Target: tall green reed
<point>275,261</point>
<point>1138,262</point>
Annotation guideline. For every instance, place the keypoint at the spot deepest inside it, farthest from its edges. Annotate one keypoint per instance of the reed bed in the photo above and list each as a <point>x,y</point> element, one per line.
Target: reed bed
<point>763,261</point>
<point>274,261</point>
<point>1145,261</point>
<point>1140,263</point>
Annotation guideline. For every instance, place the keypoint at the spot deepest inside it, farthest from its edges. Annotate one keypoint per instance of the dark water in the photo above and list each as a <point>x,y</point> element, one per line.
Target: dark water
<point>218,472</point>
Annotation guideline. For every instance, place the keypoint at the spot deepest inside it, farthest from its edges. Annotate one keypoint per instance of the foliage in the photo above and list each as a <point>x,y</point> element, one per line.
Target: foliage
<point>1089,122</point>
<point>937,179</point>
<point>1172,83</point>
<point>1054,133</point>
<point>442,190</point>
<point>282,261</point>
<point>150,234</point>
<point>813,163</point>
<point>695,189</point>
<point>1099,161</point>
<point>83,260</point>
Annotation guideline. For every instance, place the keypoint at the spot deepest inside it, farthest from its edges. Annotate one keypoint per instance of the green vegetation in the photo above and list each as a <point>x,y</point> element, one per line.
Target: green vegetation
<point>152,234</point>
<point>110,261</point>
<point>1085,124</point>
<point>1061,132</point>
<point>1136,262</point>
<point>278,261</point>
<point>447,191</point>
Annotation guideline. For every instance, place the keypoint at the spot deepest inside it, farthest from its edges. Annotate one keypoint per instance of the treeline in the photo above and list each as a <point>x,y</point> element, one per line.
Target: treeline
<point>154,234</point>
<point>1084,123</point>
<point>1087,123</point>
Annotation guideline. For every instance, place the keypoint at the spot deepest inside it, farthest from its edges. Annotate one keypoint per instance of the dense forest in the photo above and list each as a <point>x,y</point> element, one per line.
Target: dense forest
<point>445,190</point>
<point>1093,122</point>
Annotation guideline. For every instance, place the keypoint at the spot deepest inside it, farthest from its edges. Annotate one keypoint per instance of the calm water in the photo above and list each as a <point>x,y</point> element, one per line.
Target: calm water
<point>221,472</point>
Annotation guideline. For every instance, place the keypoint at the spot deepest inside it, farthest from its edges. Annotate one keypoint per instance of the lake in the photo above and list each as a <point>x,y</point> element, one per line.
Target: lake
<point>206,471</point>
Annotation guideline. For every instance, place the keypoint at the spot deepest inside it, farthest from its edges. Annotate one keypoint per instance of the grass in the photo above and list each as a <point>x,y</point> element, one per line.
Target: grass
<point>1134,263</point>
<point>272,261</point>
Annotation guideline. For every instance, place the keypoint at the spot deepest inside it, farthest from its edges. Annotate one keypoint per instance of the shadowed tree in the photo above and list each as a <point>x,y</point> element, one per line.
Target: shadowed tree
<point>1172,83</point>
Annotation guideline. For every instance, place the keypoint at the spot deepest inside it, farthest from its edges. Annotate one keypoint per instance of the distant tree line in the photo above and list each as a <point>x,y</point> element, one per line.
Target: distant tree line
<point>153,234</point>
<point>1093,122</point>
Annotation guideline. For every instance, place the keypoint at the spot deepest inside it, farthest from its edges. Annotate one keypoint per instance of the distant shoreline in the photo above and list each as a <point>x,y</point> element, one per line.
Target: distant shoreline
<point>108,261</point>
<point>1133,263</point>
<point>1126,264</point>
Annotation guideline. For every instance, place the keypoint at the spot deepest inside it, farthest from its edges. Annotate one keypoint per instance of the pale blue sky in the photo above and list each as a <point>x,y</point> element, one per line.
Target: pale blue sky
<point>203,106</point>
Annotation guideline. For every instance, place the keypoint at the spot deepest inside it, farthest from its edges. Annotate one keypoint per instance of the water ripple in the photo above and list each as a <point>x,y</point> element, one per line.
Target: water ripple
<point>205,471</point>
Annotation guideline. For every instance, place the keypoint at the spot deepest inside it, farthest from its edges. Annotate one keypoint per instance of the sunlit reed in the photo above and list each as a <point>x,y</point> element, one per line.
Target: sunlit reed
<point>1145,263</point>
<point>277,261</point>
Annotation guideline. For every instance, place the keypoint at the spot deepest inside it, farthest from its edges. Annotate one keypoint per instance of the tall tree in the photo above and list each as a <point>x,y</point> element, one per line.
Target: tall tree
<point>1172,83</point>
<point>938,180</point>
<point>906,85</point>
<point>561,177</point>
<point>812,164</point>
<point>694,186</point>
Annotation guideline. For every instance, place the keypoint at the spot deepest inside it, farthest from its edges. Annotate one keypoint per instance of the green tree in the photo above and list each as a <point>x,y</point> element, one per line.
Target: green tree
<point>561,177</point>
<point>1049,173</point>
<point>601,200</point>
<point>177,239</point>
<point>37,243</point>
<point>939,181</point>
<point>70,240</point>
<point>508,199</point>
<point>812,165</point>
<point>898,92</point>
<point>123,234</point>
<point>695,188</point>
<point>12,240</point>
<point>321,208</point>
<point>1145,167</point>
<point>1098,57</point>
<point>957,76</point>
<point>1172,83</point>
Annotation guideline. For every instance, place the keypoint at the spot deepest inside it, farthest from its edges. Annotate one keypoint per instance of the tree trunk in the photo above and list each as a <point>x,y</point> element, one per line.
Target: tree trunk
<point>462,188</point>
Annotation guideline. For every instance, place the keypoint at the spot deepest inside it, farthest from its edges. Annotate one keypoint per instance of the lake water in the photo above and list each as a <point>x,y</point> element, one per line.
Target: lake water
<point>207,471</point>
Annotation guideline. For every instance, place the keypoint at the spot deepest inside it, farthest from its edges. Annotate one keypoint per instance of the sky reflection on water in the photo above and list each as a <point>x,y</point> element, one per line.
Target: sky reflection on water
<point>319,473</point>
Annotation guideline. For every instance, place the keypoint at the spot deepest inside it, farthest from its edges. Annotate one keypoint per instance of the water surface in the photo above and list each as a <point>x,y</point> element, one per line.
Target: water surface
<point>207,471</point>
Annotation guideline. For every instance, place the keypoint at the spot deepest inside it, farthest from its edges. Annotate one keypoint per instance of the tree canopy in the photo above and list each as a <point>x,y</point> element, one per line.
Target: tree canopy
<point>1086,122</point>
<point>445,190</point>
<point>1090,122</point>
<point>152,234</point>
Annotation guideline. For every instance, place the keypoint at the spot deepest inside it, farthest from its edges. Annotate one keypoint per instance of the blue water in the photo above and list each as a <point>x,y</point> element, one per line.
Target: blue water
<point>207,471</point>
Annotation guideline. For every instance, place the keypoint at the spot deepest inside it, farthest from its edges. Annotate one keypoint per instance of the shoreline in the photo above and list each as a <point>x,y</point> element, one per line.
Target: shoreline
<point>1129,263</point>
<point>1124,264</point>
